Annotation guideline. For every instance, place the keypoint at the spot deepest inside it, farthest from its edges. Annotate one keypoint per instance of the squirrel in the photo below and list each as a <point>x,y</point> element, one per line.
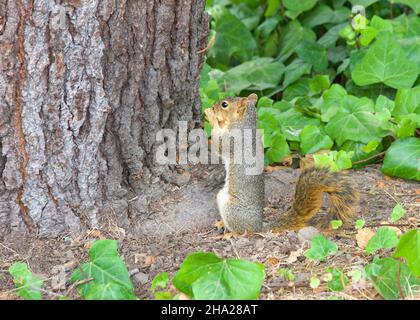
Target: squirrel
<point>241,202</point>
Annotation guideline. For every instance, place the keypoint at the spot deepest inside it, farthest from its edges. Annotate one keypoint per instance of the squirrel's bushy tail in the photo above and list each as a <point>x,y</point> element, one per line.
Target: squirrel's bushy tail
<point>312,183</point>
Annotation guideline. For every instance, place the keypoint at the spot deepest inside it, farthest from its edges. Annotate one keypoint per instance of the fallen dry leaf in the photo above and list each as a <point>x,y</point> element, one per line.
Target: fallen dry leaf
<point>149,261</point>
<point>363,236</point>
<point>96,234</point>
<point>380,184</point>
<point>294,255</point>
<point>272,261</point>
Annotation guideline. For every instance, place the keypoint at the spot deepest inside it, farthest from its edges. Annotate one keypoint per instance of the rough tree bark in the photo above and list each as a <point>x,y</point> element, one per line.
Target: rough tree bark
<point>84,87</point>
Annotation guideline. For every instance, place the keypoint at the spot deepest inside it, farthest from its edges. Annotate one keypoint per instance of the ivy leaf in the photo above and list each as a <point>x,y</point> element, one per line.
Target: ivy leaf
<point>292,35</point>
<point>321,248</point>
<point>313,139</point>
<point>329,38</point>
<point>319,83</point>
<point>359,224</point>
<point>295,8</point>
<point>397,213</point>
<point>335,224</point>
<point>286,274</point>
<point>232,38</point>
<point>161,280</point>
<point>334,160</point>
<point>206,276</point>
<point>413,4</point>
<point>402,159</point>
<point>338,280</point>
<point>108,272</point>
<point>313,53</point>
<point>406,127</point>
<point>28,285</point>
<point>321,15</point>
<point>409,248</point>
<point>295,70</point>
<point>371,146</point>
<point>257,74</point>
<point>356,275</point>
<point>386,62</point>
<point>109,291</point>
<point>364,3</point>
<point>354,121</point>
<point>279,148</point>
<point>314,282</point>
<point>385,238</point>
<point>407,101</point>
<point>367,35</point>
<point>389,276</point>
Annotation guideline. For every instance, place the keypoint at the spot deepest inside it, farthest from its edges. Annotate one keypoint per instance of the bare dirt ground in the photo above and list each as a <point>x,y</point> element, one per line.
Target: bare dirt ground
<point>183,222</point>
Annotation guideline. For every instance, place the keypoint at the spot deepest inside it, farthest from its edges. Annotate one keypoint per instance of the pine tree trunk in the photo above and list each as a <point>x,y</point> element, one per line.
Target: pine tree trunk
<point>84,87</point>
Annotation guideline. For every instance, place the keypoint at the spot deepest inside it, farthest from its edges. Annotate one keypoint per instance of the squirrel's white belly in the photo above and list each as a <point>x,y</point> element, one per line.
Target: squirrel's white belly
<point>223,194</point>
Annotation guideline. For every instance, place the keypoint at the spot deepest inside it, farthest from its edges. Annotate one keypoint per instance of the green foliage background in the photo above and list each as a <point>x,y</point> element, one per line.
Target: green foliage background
<point>328,78</point>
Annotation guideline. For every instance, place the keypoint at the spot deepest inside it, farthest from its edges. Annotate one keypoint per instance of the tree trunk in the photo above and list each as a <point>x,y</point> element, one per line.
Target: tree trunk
<point>84,87</point>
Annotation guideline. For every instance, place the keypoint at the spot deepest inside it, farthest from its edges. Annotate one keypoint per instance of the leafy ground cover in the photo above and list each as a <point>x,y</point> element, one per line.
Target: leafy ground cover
<point>331,75</point>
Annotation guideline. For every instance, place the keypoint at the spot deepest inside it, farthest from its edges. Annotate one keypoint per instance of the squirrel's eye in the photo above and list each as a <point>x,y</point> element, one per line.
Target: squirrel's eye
<point>225,104</point>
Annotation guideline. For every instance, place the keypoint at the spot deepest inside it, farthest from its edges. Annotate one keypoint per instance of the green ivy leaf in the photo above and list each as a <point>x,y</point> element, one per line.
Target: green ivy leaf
<point>295,70</point>
<point>406,127</point>
<point>402,159</point>
<point>109,291</point>
<point>295,8</point>
<point>321,248</point>
<point>232,38</point>
<point>407,101</point>
<point>386,62</point>
<point>206,276</point>
<point>384,238</point>
<point>29,286</point>
<point>321,15</point>
<point>257,74</point>
<point>389,276</point>
<point>110,275</point>
<point>371,146</point>
<point>313,139</point>
<point>364,3</point>
<point>279,148</point>
<point>314,282</point>
<point>367,35</point>
<point>163,295</point>
<point>397,213</point>
<point>161,280</point>
<point>292,35</point>
<point>287,274</point>
<point>356,275</point>
<point>354,121</point>
<point>329,39</point>
<point>409,248</point>
<point>334,160</point>
<point>413,4</point>
<point>320,83</point>
<point>338,280</point>
<point>359,224</point>
<point>335,224</point>
<point>313,53</point>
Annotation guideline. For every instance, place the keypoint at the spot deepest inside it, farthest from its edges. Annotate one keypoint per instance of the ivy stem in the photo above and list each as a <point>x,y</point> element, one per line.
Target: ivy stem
<point>286,19</point>
<point>391,9</point>
<point>370,158</point>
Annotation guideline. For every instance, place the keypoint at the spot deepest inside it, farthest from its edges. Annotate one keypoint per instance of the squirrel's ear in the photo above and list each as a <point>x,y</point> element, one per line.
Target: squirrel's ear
<point>253,98</point>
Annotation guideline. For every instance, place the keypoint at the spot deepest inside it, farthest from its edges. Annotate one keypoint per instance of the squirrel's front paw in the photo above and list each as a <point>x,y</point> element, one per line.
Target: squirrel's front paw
<point>220,226</point>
